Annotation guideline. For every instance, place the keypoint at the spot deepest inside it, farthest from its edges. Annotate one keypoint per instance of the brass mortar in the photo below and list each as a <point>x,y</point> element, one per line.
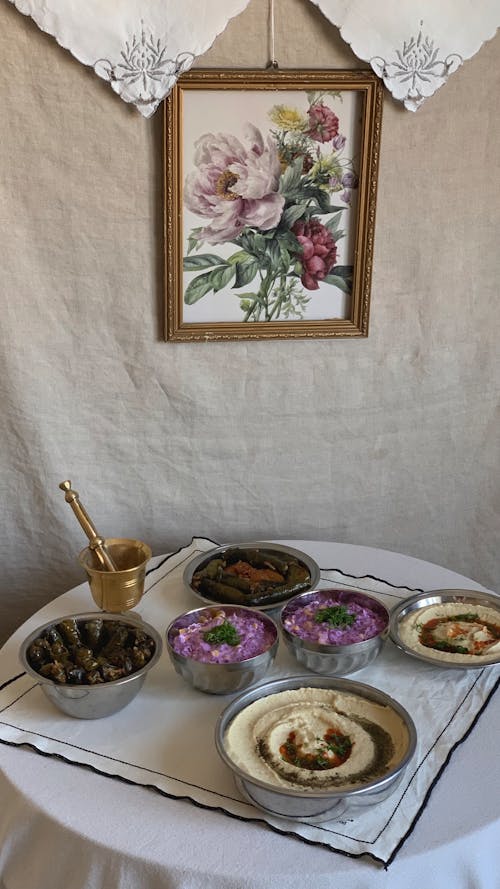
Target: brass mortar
<point>119,590</point>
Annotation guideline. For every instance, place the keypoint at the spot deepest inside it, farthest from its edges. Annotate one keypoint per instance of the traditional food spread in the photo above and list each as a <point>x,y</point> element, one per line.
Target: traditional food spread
<point>297,741</point>
<point>302,738</point>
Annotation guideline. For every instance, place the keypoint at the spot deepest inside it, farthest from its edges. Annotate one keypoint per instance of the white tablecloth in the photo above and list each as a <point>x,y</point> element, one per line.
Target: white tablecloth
<point>105,833</point>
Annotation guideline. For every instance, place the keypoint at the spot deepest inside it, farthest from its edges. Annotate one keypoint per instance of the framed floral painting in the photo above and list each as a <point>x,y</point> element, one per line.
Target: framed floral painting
<point>270,193</point>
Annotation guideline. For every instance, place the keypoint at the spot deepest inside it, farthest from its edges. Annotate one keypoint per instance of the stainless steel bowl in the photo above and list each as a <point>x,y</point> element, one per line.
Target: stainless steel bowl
<point>93,701</point>
<point>335,660</point>
<point>318,805</point>
<point>220,679</point>
<point>414,603</point>
<point>279,549</point>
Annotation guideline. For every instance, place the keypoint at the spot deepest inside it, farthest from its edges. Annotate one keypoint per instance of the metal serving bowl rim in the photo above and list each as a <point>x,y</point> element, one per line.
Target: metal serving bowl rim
<point>233,665</point>
<point>324,647</point>
<point>311,565</point>
<point>349,686</point>
<point>440,597</point>
<point>132,620</point>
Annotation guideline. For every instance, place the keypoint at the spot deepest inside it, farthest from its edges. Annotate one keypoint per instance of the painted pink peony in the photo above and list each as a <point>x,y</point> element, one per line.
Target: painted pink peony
<point>319,252</point>
<point>234,186</point>
<point>323,123</point>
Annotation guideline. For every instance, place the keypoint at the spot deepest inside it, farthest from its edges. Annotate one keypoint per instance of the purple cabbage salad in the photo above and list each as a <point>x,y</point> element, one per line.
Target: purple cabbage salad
<point>224,638</point>
<point>333,620</point>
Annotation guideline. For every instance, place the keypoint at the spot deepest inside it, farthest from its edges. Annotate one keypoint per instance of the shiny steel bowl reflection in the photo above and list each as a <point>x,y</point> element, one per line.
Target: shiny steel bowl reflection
<point>103,699</point>
<point>335,660</point>
<point>221,679</point>
<point>279,549</point>
<point>320,805</point>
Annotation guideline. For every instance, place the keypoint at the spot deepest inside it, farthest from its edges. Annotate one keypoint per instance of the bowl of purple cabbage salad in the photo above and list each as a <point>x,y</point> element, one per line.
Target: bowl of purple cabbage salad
<point>334,632</point>
<point>222,649</point>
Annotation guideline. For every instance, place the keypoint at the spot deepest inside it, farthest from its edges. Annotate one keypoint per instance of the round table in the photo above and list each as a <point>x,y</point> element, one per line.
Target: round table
<point>65,827</point>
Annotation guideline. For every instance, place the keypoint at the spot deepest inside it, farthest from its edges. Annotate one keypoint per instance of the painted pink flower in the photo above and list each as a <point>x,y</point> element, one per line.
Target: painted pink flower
<point>319,251</point>
<point>323,123</point>
<point>234,186</point>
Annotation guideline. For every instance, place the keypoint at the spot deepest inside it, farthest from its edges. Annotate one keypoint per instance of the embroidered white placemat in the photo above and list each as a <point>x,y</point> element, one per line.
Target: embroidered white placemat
<point>414,45</point>
<point>141,48</point>
<point>156,740</point>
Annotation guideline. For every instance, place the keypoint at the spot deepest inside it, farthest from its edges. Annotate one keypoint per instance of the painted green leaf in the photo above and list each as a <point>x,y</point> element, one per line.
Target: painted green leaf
<point>293,213</point>
<point>291,177</point>
<point>332,224</point>
<point>245,272</point>
<point>289,240</point>
<point>221,277</point>
<point>202,261</point>
<point>274,253</point>
<point>323,200</point>
<point>313,97</point>
<point>246,296</point>
<point>240,256</point>
<point>337,281</point>
<point>285,256</point>
<point>259,243</point>
<point>341,277</point>
<point>345,271</point>
<point>194,239</point>
<point>197,288</point>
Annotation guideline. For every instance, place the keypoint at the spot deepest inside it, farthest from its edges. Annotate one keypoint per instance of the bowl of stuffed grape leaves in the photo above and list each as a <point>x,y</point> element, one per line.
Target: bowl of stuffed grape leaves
<point>91,665</point>
<point>257,575</point>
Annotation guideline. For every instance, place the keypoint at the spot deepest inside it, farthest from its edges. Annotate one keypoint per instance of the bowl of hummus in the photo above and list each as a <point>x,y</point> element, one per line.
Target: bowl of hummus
<point>449,628</point>
<point>309,747</point>
<point>334,632</point>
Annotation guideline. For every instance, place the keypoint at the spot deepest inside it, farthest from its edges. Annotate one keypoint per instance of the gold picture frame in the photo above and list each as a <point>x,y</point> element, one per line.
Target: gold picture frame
<point>270,198</point>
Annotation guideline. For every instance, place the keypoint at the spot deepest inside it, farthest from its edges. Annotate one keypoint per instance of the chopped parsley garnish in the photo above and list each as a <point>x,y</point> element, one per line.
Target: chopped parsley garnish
<point>334,748</point>
<point>225,632</point>
<point>335,615</point>
<point>447,646</point>
<point>339,744</point>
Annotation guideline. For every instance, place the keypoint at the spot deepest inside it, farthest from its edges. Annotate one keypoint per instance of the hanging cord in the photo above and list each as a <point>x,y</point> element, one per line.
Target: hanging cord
<point>272,61</point>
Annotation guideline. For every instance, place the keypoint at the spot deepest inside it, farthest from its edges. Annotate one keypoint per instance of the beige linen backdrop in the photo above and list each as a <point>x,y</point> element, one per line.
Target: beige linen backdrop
<point>390,441</point>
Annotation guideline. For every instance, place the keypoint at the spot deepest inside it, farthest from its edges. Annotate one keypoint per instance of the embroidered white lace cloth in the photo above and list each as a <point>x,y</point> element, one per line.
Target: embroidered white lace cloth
<point>141,48</point>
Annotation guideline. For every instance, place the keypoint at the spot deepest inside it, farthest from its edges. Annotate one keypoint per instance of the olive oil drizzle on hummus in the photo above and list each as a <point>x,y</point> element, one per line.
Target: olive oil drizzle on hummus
<point>333,749</point>
<point>459,633</point>
<point>383,751</point>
